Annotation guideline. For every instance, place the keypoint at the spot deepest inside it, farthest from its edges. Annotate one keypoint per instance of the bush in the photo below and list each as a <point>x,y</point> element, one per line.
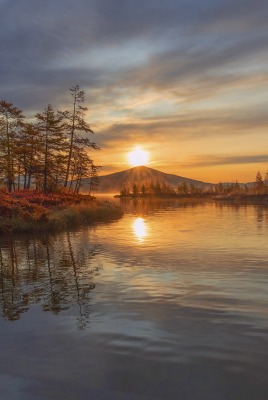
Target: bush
<point>34,211</point>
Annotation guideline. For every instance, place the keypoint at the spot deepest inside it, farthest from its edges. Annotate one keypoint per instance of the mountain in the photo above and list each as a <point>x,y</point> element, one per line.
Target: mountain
<point>114,183</point>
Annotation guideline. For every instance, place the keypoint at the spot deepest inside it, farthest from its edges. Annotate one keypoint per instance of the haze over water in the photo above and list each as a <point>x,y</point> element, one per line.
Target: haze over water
<point>169,302</point>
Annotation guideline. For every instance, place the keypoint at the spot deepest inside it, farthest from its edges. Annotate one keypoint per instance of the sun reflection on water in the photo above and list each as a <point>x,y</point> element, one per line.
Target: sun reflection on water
<point>140,228</point>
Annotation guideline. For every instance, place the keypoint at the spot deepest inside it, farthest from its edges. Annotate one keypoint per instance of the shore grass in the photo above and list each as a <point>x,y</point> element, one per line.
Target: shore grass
<point>83,213</point>
<point>36,212</point>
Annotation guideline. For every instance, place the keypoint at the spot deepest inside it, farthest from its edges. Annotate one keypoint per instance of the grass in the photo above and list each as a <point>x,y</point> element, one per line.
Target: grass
<point>30,211</point>
<point>82,213</point>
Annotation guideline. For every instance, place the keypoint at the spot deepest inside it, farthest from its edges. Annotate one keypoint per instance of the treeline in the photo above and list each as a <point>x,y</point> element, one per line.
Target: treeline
<point>157,189</point>
<point>49,153</point>
<point>162,189</point>
<point>259,187</point>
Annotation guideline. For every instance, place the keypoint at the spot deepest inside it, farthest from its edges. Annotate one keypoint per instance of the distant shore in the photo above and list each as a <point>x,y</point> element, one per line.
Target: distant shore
<point>32,211</point>
<point>261,199</point>
<point>164,196</point>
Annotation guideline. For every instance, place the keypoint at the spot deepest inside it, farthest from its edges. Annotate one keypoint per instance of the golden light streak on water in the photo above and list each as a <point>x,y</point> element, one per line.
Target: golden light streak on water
<point>140,228</point>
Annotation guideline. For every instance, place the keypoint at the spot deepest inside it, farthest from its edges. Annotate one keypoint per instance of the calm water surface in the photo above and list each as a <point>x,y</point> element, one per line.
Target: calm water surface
<point>169,302</point>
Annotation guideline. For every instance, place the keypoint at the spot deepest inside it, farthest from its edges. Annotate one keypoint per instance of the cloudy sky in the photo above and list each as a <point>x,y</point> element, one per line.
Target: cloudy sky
<point>186,80</point>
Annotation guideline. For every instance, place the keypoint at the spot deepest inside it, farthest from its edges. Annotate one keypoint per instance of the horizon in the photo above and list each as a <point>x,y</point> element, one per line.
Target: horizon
<point>187,83</point>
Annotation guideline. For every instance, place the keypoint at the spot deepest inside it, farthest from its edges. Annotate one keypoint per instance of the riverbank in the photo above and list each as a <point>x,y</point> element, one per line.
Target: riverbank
<point>165,196</point>
<point>32,211</point>
<point>238,199</point>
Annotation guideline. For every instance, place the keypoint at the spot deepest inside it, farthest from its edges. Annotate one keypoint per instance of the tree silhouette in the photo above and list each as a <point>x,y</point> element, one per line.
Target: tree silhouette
<point>11,120</point>
<point>54,150</point>
<point>75,126</point>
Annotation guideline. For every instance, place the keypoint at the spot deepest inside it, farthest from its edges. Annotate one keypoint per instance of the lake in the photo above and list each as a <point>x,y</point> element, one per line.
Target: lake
<point>169,302</point>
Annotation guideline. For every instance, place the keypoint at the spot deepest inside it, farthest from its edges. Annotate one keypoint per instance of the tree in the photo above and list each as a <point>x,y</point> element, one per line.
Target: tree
<point>184,187</point>
<point>76,126</point>
<point>143,189</point>
<point>219,188</point>
<point>11,121</point>
<point>52,150</point>
<point>94,179</point>
<point>83,168</point>
<point>157,188</point>
<point>27,153</point>
<point>259,182</point>
<point>135,190</point>
<point>125,191</point>
<point>51,144</point>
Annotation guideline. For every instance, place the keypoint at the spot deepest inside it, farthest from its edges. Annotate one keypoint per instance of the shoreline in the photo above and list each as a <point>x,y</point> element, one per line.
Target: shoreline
<point>32,212</point>
<point>254,199</point>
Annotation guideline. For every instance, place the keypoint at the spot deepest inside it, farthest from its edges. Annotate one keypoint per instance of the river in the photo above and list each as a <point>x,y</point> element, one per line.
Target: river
<point>169,302</point>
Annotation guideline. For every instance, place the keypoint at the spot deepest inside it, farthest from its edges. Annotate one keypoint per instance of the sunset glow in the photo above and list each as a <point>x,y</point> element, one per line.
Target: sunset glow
<point>189,88</point>
<point>138,157</point>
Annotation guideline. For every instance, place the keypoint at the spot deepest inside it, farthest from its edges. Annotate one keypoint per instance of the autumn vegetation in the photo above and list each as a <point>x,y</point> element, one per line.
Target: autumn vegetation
<point>48,153</point>
<point>42,163</point>
<point>24,211</point>
<point>254,190</point>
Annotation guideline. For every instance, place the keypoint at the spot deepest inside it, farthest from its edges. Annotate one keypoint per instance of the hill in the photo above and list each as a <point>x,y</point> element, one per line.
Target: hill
<point>113,183</point>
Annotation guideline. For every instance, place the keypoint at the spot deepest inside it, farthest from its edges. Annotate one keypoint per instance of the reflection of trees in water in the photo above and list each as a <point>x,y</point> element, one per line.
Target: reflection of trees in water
<point>261,216</point>
<point>56,272</point>
<point>260,211</point>
<point>11,290</point>
<point>152,205</point>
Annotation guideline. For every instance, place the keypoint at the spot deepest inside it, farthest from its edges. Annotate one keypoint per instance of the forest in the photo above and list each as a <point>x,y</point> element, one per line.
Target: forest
<point>49,152</point>
<point>42,163</point>
<point>162,189</point>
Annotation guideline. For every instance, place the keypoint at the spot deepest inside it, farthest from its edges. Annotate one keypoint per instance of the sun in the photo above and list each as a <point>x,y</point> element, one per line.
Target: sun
<point>138,157</point>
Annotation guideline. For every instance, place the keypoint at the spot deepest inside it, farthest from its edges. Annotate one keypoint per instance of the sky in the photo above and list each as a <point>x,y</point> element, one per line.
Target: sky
<point>185,80</point>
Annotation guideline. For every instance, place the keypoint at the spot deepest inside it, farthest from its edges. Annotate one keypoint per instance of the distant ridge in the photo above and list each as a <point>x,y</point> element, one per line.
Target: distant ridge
<point>114,183</point>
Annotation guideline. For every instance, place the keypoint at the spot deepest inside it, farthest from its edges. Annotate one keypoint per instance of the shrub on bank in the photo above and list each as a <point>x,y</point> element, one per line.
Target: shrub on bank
<point>77,214</point>
<point>34,211</point>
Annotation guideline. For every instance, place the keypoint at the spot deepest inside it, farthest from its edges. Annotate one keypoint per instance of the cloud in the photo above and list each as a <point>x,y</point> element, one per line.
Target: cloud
<point>210,160</point>
<point>185,127</point>
<point>47,46</point>
<point>153,71</point>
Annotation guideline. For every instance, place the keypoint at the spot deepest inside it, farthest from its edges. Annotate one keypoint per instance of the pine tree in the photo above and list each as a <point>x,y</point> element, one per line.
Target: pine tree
<point>135,190</point>
<point>52,150</point>
<point>51,145</point>
<point>143,189</point>
<point>94,179</point>
<point>184,187</point>
<point>11,121</point>
<point>75,127</point>
<point>259,182</point>
<point>27,153</point>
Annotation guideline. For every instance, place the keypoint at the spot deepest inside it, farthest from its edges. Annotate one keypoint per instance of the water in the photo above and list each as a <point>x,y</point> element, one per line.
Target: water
<point>169,302</point>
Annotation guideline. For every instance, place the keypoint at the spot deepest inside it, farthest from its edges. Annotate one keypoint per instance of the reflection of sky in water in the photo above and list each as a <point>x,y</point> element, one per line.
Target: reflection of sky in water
<point>139,228</point>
